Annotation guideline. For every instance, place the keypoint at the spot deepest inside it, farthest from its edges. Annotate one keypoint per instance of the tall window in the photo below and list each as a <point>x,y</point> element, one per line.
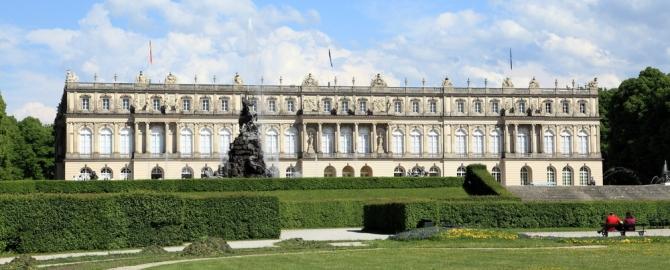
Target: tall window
<point>547,107</point>
<point>106,141</point>
<point>495,142</point>
<point>551,176</point>
<point>478,107</point>
<point>186,142</point>
<point>126,141</point>
<point>521,142</point>
<point>345,105</point>
<point>566,107</point>
<point>362,105</point>
<point>432,106</point>
<point>415,106</point>
<point>327,140</point>
<point>157,140</point>
<point>525,177</point>
<point>583,143</point>
<point>224,141</point>
<point>398,141</point>
<point>461,142</point>
<point>290,141</point>
<point>548,142</point>
<point>566,142</point>
<point>582,107</point>
<point>478,140</point>
<point>204,104</point>
<point>272,105</point>
<point>224,105</point>
<point>186,105</point>
<point>399,171</point>
<point>460,106</point>
<point>495,107</point>
<point>85,136</point>
<point>398,106</point>
<point>271,140</point>
<point>326,105</point>
<point>584,175</point>
<point>433,142</point>
<point>345,143</point>
<point>567,176</point>
<point>415,137</point>
<point>363,143</point>
<point>85,105</point>
<point>105,104</point>
<point>290,105</point>
<point>205,142</point>
<point>125,104</point>
<point>460,172</point>
<point>496,173</point>
<point>156,104</point>
<point>522,107</point>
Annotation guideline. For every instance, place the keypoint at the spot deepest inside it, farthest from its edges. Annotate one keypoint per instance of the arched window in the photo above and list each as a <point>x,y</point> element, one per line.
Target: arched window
<point>345,143</point>
<point>478,141</point>
<point>496,173</point>
<point>363,143</point>
<point>566,142</point>
<point>105,141</point>
<point>329,172</point>
<point>551,176</point>
<point>366,171</point>
<point>86,174</point>
<point>126,173</point>
<point>205,142</point>
<point>434,171</point>
<point>417,171</point>
<point>460,172</point>
<point>224,141</point>
<point>584,176</point>
<point>348,171</point>
<point>522,141</point>
<point>433,142</point>
<point>106,173</point>
<point>85,141</point>
<point>525,176</point>
<point>415,138</point>
<point>125,141</point>
<point>290,141</point>
<point>399,171</point>
<point>461,142</point>
<point>548,142</point>
<point>186,141</point>
<point>398,141</point>
<point>206,172</point>
<point>272,142</point>
<point>156,173</point>
<point>157,146</point>
<point>186,173</point>
<point>327,140</point>
<point>567,176</point>
<point>291,172</point>
<point>583,142</point>
<point>495,141</point>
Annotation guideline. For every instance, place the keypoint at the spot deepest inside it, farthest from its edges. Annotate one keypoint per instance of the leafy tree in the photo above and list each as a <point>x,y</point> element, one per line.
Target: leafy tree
<point>637,124</point>
<point>38,161</point>
<point>10,142</point>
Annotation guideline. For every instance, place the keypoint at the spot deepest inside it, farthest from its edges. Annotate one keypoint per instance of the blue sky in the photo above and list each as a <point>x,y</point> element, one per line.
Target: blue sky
<point>551,40</point>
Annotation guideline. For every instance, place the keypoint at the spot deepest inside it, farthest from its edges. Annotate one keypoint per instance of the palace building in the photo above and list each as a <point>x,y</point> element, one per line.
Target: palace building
<point>171,130</point>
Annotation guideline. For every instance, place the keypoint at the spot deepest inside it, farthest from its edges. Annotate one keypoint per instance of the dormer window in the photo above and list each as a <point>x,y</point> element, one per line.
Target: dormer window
<point>326,105</point>
<point>85,104</point>
<point>224,105</point>
<point>105,103</point>
<point>432,105</point>
<point>272,105</point>
<point>186,105</point>
<point>460,106</point>
<point>156,104</point>
<point>125,103</point>
<point>566,107</point>
<point>205,104</point>
<point>522,106</point>
<point>290,106</point>
<point>495,107</point>
<point>582,107</point>
<point>547,107</point>
<point>478,107</point>
<point>415,106</point>
<point>362,105</point>
<point>398,106</point>
<point>345,105</point>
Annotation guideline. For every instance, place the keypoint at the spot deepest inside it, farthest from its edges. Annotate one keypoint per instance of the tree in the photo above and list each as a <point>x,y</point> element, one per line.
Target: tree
<point>38,141</point>
<point>10,140</point>
<point>638,117</point>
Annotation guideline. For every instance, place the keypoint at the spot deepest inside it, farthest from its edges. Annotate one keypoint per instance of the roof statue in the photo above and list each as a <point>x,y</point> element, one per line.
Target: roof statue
<point>533,83</point>
<point>237,80</point>
<point>310,81</point>
<point>70,77</point>
<point>507,83</point>
<point>377,81</point>
<point>141,79</point>
<point>171,79</point>
<point>447,83</point>
<point>593,84</point>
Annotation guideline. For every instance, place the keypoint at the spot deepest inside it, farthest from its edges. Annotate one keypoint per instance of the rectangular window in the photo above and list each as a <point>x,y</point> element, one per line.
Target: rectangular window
<point>521,143</point>
<point>398,106</point>
<point>105,104</point>
<point>290,143</point>
<point>566,142</point>
<point>345,105</point>
<point>548,144</point>
<point>272,105</point>
<point>583,145</point>
<point>494,107</point>
<point>157,104</point>
<point>460,107</point>
<point>224,105</point>
<point>205,105</point>
<point>326,105</point>
<point>582,107</point>
<point>495,144</point>
<point>125,103</point>
<point>522,107</point>
<point>289,105</point>
<point>433,107</point>
<point>186,105</point>
<point>85,104</point>
<point>363,106</point>
<point>478,107</point>
<point>547,107</point>
<point>460,144</point>
<point>415,106</point>
<point>125,144</point>
<point>432,144</point>
<point>566,107</point>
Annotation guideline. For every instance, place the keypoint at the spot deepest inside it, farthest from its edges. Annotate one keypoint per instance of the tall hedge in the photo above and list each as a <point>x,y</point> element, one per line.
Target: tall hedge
<point>395,217</point>
<point>46,223</point>
<point>478,181</point>
<point>202,185</point>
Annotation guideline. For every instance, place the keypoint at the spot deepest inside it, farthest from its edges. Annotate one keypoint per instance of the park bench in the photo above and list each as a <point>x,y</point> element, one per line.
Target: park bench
<point>637,230</point>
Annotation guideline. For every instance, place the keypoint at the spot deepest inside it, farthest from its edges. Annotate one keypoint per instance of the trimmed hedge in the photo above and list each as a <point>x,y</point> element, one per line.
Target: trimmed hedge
<point>396,217</point>
<point>478,181</point>
<point>47,223</point>
<point>323,214</point>
<point>264,184</point>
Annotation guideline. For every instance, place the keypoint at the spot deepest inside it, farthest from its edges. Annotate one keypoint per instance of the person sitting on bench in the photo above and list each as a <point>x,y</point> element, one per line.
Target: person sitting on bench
<point>612,223</point>
<point>629,222</point>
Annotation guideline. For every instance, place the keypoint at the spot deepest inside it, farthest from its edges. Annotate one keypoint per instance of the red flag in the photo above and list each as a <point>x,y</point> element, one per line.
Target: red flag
<point>151,57</point>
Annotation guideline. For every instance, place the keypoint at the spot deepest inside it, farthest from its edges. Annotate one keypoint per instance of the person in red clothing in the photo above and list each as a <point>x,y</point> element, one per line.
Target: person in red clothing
<point>612,223</point>
<point>629,222</point>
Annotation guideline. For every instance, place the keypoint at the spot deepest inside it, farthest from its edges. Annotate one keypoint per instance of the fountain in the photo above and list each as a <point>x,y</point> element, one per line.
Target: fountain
<point>245,157</point>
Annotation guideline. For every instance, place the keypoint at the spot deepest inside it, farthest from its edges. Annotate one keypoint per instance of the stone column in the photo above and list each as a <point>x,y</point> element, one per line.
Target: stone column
<point>405,139</point>
<point>485,140</point>
<point>506,138</point>
<point>177,131</point>
<point>533,140</point>
<point>388,138</point>
<point>318,139</point>
<point>215,141</point>
<point>115,139</point>
<point>94,140</point>
<point>69,132</point>
<point>303,138</point>
<point>516,134</point>
<point>337,138</point>
<point>597,140</point>
<point>196,140</point>
<point>373,139</point>
<point>558,135</point>
<point>168,138</point>
<point>280,138</point>
<point>575,146</point>
<point>354,140</point>
<point>424,142</point>
<point>137,138</point>
<point>75,139</point>
<point>147,137</point>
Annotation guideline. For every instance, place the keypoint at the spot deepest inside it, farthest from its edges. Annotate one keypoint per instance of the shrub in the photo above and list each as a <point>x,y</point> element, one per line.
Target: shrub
<point>22,262</point>
<point>209,246</point>
<point>463,233</point>
<point>417,234</point>
<point>321,214</point>
<point>45,223</point>
<point>237,184</point>
<point>478,181</point>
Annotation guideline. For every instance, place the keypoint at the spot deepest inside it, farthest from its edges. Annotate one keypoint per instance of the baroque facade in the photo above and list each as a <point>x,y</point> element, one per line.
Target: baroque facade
<point>144,130</point>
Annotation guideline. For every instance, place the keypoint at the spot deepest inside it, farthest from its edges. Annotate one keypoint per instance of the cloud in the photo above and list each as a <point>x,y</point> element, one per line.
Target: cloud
<point>44,113</point>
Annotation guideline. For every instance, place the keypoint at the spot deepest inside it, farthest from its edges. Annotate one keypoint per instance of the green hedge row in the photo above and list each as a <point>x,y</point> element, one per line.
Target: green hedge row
<point>51,186</point>
<point>323,214</point>
<point>49,222</point>
<point>478,181</point>
<point>395,217</point>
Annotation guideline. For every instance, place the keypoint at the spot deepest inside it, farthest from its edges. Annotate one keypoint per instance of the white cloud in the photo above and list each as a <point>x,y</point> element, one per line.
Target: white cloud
<point>46,114</point>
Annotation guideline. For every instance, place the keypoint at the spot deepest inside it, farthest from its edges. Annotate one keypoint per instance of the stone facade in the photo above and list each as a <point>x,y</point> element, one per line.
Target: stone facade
<point>531,135</point>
